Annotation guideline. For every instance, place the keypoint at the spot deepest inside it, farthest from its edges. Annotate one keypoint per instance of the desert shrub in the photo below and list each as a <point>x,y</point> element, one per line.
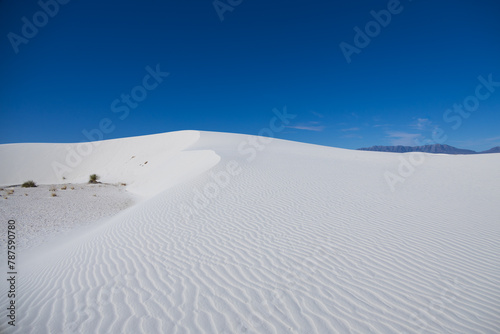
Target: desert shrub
<point>63,188</point>
<point>28,184</point>
<point>53,194</point>
<point>93,178</point>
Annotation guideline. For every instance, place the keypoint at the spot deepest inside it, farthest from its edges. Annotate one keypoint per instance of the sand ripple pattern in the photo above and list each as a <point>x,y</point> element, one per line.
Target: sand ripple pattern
<point>310,242</point>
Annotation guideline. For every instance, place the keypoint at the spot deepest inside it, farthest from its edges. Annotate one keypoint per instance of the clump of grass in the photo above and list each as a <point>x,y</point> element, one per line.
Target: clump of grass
<point>53,194</point>
<point>72,188</point>
<point>5,197</point>
<point>52,188</point>
<point>29,184</point>
<point>123,184</point>
<point>63,188</point>
<point>10,191</point>
<point>93,178</point>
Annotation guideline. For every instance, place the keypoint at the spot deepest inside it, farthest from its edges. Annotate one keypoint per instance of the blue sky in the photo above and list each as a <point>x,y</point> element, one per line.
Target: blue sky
<point>399,87</point>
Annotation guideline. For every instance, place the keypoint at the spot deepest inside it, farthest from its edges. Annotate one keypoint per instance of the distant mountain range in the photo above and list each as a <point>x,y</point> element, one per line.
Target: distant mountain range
<point>436,148</point>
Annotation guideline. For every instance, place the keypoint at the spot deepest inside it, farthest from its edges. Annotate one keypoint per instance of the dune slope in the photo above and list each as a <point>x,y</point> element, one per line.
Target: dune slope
<point>239,234</point>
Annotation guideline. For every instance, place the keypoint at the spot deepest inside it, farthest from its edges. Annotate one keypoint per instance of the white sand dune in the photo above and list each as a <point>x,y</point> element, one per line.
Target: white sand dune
<point>285,238</point>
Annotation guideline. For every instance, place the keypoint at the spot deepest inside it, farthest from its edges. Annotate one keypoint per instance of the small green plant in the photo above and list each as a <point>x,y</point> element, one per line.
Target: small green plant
<point>28,184</point>
<point>93,178</point>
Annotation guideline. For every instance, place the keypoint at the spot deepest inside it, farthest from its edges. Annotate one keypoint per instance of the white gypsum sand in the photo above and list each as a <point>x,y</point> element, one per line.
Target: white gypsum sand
<point>44,212</point>
<point>285,238</point>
